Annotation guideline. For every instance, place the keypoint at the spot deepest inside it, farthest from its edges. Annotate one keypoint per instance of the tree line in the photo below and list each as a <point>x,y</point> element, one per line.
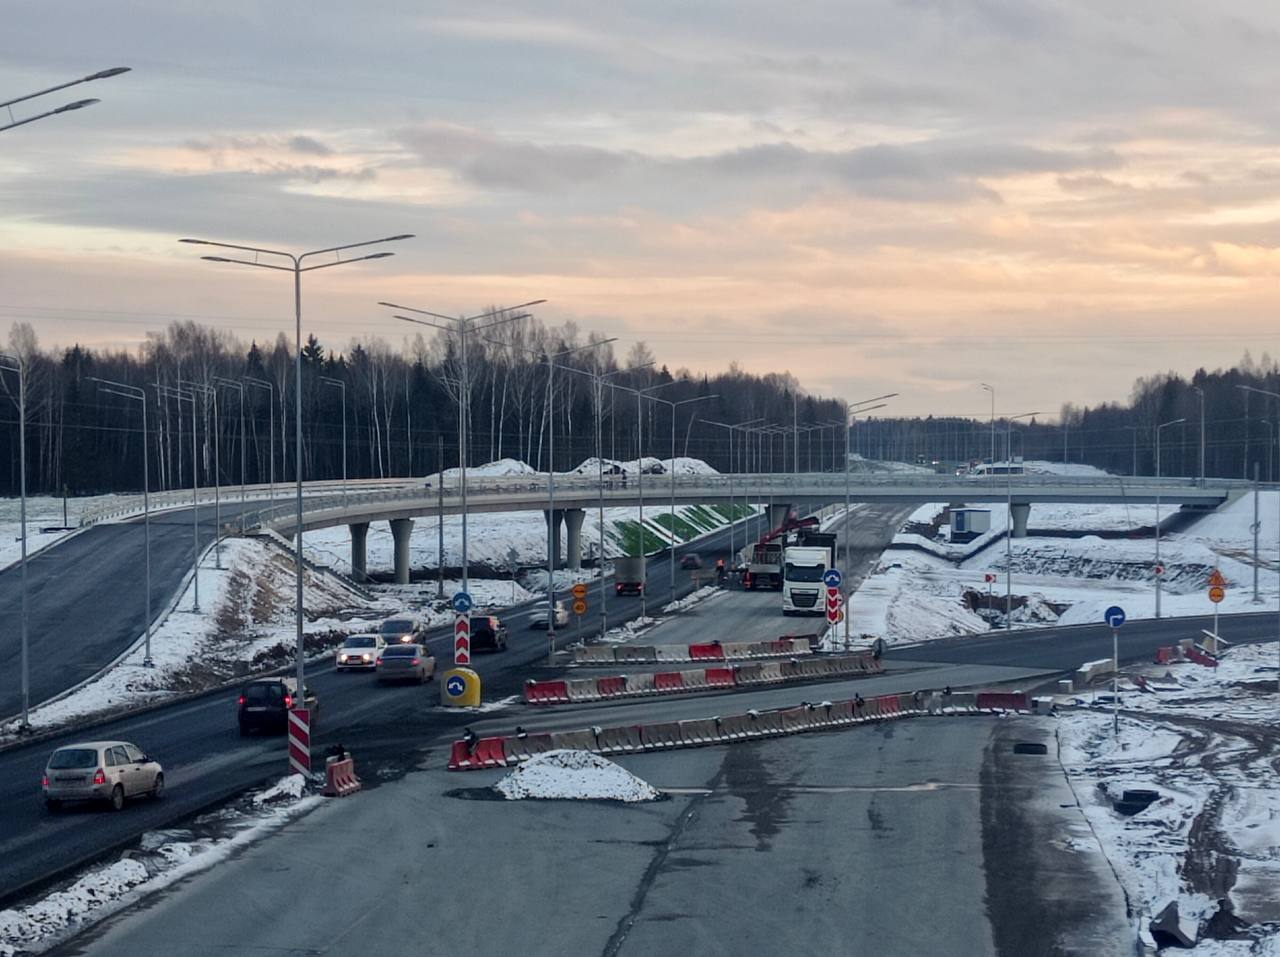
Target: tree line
<point>399,408</point>
<point>1241,429</point>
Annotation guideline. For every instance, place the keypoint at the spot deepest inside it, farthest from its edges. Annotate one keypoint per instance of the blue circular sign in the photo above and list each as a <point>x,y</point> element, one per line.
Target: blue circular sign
<point>832,577</point>
<point>462,602</point>
<point>1114,616</point>
<point>456,686</point>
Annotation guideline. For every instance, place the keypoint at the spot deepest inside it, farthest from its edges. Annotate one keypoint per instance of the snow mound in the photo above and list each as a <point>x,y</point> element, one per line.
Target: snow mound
<point>492,469</point>
<point>288,788</point>
<point>67,908</point>
<point>574,776</point>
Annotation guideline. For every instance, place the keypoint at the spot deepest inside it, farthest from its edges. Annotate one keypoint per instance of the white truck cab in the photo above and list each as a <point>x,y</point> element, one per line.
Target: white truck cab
<point>802,586</point>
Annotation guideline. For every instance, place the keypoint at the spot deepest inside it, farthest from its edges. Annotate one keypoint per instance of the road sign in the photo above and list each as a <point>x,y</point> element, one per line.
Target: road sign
<point>832,578</point>
<point>1159,569</point>
<point>1114,616</point>
<point>833,605</point>
<point>579,606</point>
<point>1216,580</point>
<point>455,685</point>
<point>460,688</point>
<point>300,741</point>
<point>462,602</point>
<point>989,578</point>
<point>580,590</point>
<point>462,639</point>
<point>1217,593</point>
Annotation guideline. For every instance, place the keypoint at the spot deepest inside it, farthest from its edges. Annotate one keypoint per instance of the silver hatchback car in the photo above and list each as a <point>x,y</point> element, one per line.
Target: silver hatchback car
<point>109,771</point>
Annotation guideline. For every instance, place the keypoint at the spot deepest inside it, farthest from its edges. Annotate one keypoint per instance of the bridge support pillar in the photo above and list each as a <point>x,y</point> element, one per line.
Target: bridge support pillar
<point>1020,512</point>
<point>573,536</point>
<point>400,529</point>
<point>553,534</point>
<point>359,553</point>
<point>778,513</point>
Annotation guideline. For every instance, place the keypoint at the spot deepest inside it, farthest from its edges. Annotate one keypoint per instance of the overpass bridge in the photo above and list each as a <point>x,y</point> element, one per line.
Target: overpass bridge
<point>403,501</point>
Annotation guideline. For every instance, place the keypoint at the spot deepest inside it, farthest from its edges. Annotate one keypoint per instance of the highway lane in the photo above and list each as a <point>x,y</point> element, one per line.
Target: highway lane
<point>208,761</point>
<point>876,840</point>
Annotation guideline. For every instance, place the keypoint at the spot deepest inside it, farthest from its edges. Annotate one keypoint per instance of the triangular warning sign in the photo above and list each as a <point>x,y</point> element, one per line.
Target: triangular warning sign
<point>1216,579</point>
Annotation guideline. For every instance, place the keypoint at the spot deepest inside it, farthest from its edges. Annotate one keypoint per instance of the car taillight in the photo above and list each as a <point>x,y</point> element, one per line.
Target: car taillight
<point>242,701</point>
<point>379,661</point>
<point>44,781</point>
<point>288,701</point>
<point>99,776</point>
<point>417,661</point>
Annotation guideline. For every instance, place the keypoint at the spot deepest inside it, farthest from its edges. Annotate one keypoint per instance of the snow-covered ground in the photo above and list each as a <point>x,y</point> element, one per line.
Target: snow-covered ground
<point>42,512</point>
<point>574,776</point>
<point>913,596</point>
<point>162,859</point>
<point>246,615</point>
<point>1205,740</point>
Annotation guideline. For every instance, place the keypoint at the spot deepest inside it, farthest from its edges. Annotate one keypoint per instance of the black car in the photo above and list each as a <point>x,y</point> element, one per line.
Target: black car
<point>488,633</point>
<point>691,561</point>
<point>264,705</point>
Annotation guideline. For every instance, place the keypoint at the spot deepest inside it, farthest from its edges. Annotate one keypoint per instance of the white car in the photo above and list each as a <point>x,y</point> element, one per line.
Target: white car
<point>359,653</point>
<point>539,617</point>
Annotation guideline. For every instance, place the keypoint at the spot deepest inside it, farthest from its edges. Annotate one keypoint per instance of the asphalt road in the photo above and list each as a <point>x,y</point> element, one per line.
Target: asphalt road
<point>206,760</point>
<point>877,840</point>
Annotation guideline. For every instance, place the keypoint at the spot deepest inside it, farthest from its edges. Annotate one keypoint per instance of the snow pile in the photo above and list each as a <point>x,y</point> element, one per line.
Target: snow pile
<point>699,596</point>
<point>485,707</point>
<point>67,909</point>
<point>499,469</point>
<point>288,788</point>
<point>574,776</point>
<point>1204,740</point>
<point>1069,469</point>
<point>630,631</point>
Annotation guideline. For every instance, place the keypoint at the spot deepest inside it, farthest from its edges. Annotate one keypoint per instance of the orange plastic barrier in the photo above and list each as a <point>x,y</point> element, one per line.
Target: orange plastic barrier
<point>340,777</point>
<point>546,692</point>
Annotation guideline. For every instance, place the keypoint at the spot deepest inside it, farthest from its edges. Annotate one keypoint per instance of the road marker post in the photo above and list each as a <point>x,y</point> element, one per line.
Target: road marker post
<point>1115,617</point>
<point>580,605</point>
<point>462,628</point>
<point>1217,592</point>
<point>300,741</point>
<point>832,579</point>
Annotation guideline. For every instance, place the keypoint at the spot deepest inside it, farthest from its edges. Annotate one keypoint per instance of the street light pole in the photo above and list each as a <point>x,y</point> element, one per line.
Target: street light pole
<point>239,387</point>
<point>271,440</point>
<point>1275,395</point>
<point>1200,392</point>
<point>184,396</point>
<point>992,390</point>
<point>463,327</point>
<point>1008,536</point>
<point>297,268</point>
<point>338,383</point>
<point>15,364</point>
<point>138,395</point>
<point>1159,570</point>
<point>76,105</point>
<point>851,410</point>
<point>209,392</point>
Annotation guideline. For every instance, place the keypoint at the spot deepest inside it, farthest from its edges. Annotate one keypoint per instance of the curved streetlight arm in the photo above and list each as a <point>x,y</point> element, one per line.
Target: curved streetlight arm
<point>483,315</point>
<point>100,75</point>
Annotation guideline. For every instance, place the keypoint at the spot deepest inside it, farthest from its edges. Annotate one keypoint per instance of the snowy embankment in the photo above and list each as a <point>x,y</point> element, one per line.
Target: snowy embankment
<point>1204,740</point>
<point>247,615</point>
<point>574,776</point>
<point>918,596</point>
<point>162,859</point>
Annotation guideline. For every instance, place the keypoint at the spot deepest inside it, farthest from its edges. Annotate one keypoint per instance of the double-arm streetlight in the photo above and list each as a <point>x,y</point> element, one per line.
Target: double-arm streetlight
<point>271,434</point>
<point>298,265</point>
<point>463,327</point>
<point>66,107</point>
<point>852,410</point>
<point>12,363</point>
<point>732,427</point>
<point>1274,395</point>
<point>339,384</point>
<point>135,394</point>
<point>184,395</point>
<point>238,387</point>
<point>211,393</point>
<point>672,469</point>
<point>1159,569</point>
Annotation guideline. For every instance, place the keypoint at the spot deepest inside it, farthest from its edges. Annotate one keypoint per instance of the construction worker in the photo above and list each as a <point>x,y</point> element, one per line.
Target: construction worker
<point>720,572</point>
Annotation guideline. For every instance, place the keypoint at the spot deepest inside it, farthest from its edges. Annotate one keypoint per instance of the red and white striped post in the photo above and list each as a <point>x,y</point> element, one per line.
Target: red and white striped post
<point>300,741</point>
<point>462,639</point>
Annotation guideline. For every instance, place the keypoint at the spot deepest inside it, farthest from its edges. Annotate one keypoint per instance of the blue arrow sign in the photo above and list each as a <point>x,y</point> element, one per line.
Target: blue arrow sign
<point>456,686</point>
<point>832,578</point>
<point>462,602</point>
<point>1114,616</point>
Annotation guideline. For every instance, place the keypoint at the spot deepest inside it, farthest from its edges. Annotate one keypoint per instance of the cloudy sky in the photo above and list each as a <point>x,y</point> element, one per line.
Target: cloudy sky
<point>1054,196</point>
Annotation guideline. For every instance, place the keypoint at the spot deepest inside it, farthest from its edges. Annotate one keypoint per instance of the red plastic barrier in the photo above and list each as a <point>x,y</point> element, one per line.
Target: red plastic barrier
<point>612,686</point>
<point>340,777</point>
<point>706,653</point>
<point>887,705</point>
<point>668,681</point>
<point>720,678</point>
<point>1201,658</point>
<point>1166,655</point>
<point>1002,701</point>
<point>546,692</point>
<point>488,753</point>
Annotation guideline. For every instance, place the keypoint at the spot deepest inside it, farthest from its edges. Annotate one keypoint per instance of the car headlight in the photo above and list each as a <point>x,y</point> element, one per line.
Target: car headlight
<point>364,657</point>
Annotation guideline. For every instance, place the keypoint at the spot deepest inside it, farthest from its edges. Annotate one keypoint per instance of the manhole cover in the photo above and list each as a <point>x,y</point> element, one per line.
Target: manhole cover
<point>1030,747</point>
